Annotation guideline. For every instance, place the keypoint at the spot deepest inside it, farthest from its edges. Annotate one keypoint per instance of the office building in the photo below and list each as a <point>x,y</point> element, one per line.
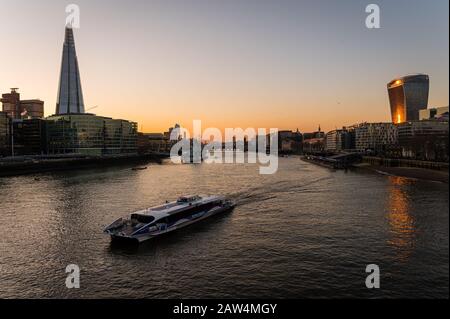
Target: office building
<point>70,95</point>
<point>424,140</point>
<point>89,134</point>
<point>154,142</point>
<point>375,137</point>
<point>340,140</point>
<point>408,95</point>
<point>437,113</point>
<point>4,134</point>
<point>29,137</point>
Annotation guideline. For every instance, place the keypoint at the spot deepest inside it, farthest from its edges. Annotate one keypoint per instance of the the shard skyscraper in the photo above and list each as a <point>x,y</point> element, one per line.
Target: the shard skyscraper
<point>70,95</point>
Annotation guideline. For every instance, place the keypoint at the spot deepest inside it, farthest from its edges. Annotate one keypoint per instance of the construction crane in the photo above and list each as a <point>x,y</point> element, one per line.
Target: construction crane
<point>92,108</point>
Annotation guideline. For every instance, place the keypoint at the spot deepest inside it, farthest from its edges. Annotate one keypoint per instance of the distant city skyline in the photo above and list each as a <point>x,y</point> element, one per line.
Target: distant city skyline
<point>288,64</point>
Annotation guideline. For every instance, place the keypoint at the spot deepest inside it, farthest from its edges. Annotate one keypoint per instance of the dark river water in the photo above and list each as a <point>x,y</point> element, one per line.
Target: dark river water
<point>305,232</point>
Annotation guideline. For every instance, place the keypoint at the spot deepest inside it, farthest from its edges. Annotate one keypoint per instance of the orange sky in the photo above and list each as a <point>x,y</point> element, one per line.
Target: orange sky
<point>229,64</point>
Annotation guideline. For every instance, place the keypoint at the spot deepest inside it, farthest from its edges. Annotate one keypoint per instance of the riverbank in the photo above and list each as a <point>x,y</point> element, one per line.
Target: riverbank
<point>33,165</point>
<point>408,172</point>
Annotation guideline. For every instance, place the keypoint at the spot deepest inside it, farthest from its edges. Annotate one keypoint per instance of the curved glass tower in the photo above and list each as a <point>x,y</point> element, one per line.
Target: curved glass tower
<point>408,95</point>
<point>70,95</point>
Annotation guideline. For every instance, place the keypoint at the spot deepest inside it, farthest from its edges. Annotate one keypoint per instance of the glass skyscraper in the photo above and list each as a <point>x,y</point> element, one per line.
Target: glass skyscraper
<point>70,95</point>
<point>408,95</point>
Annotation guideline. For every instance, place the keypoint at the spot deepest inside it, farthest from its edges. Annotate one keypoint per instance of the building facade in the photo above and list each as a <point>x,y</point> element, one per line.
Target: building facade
<point>312,135</point>
<point>340,140</point>
<point>154,142</point>
<point>21,109</point>
<point>424,140</point>
<point>4,134</point>
<point>376,137</point>
<point>290,142</point>
<point>29,137</point>
<point>33,109</point>
<point>88,134</point>
<point>434,113</point>
<point>408,95</point>
<point>314,145</point>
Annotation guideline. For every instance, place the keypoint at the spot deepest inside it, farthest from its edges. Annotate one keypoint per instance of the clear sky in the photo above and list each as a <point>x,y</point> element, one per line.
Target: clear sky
<point>230,63</point>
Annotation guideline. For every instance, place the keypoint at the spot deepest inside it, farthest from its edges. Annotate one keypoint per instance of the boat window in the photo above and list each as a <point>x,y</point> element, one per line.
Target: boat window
<point>188,199</point>
<point>190,211</point>
<point>145,219</point>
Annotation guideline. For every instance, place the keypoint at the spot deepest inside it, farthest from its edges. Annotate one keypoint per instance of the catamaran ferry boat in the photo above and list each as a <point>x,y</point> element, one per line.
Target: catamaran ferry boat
<point>152,222</point>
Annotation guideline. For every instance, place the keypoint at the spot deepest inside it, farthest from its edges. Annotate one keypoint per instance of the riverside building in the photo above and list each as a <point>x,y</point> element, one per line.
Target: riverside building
<point>88,134</point>
<point>339,140</point>
<point>377,137</point>
<point>4,135</point>
<point>424,140</point>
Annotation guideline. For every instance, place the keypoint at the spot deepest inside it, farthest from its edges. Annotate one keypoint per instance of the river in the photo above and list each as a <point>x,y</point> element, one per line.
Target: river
<point>305,232</point>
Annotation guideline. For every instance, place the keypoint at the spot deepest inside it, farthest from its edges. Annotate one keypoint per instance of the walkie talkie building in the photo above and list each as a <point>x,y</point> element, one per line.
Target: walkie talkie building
<point>408,95</point>
<point>70,95</point>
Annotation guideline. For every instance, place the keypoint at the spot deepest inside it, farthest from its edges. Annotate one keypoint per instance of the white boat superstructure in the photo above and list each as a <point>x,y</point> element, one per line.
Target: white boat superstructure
<point>152,222</point>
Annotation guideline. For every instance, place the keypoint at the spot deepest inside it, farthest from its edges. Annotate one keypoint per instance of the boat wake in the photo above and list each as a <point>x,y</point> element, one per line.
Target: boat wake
<point>271,191</point>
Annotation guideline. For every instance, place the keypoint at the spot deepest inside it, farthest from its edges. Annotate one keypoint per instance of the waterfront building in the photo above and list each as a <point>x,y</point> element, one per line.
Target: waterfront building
<point>177,130</point>
<point>424,140</point>
<point>376,137</point>
<point>21,109</point>
<point>408,95</point>
<point>339,140</point>
<point>290,142</point>
<point>154,142</point>
<point>29,137</point>
<point>89,134</point>
<point>4,134</point>
<point>438,113</point>
<point>314,145</point>
<point>70,94</point>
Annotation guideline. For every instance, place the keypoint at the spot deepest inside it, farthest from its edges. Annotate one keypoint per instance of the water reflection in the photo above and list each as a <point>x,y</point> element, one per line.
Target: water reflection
<point>287,234</point>
<point>400,220</point>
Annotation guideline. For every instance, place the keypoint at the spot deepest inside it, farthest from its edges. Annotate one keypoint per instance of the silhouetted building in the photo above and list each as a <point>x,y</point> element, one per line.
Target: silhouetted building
<point>29,137</point>
<point>4,134</point>
<point>290,142</point>
<point>424,140</point>
<point>408,95</point>
<point>317,134</point>
<point>70,95</point>
<point>340,140</point>
<point>314,145</point>
<point>21,109</point>
<point>155,142</point>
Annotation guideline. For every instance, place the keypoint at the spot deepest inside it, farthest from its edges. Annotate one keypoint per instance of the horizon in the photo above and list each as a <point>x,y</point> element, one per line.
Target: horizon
<point>159,63</point>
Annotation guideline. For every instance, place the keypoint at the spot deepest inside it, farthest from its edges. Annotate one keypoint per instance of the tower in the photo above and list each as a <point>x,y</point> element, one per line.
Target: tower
<point>70,95</point>
<point>407,96</point>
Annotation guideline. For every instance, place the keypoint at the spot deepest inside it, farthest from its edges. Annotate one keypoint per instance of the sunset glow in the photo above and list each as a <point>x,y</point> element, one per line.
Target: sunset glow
<point>161,63</point>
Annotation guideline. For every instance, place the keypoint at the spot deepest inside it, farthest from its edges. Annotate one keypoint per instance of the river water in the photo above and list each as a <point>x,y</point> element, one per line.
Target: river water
<point>304,232</point>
